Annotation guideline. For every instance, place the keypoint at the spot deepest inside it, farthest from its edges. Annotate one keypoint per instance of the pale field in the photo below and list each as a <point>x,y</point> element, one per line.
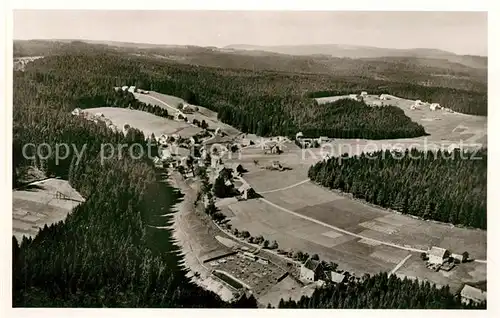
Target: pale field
<point>203,114</point>
<point>357,255</point>
<point>146,122</point>
<point>36,205</point>
<point>285,289</point>
<point>311,200</point>
<point>292,232</point>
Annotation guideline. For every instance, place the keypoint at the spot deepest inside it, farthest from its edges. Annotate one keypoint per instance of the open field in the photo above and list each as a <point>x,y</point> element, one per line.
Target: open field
<point>170,103</point>
<point>295,233</point>
<point>146,122</point>
<point>443,126</point>
<point>37,204</point>
<point>313,201</point>
<point>455,278</point>
<point>287,288</point>
<point>356,254</point>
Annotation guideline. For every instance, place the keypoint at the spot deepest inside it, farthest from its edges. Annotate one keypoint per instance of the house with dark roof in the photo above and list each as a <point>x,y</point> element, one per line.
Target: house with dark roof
<point>310,270</point>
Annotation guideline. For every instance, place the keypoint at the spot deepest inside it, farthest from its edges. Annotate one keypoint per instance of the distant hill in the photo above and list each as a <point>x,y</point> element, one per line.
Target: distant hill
<point>441,68</point>
<point>357,52</point>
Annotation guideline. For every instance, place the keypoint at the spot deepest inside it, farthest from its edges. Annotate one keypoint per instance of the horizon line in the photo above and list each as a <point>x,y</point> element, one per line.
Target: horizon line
<point>257,45</point>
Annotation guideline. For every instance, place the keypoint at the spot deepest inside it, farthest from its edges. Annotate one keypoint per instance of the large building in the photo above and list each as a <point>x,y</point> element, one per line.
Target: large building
<point>438,255</point>
<point>471,294</point>
<point>310,270</point>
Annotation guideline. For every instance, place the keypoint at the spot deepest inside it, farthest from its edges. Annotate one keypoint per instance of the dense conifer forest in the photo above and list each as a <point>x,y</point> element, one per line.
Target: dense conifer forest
<point>381,291</point>
<point>264,102</point>
<point>443,186</point>
<point>106,253</point>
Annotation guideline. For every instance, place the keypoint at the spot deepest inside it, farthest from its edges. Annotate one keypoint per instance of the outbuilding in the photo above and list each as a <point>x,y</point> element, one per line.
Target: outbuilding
<point>435,106</point>
<point>337,278</point>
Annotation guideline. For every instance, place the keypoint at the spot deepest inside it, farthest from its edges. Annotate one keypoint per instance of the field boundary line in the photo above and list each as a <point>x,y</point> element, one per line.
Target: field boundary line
<point>284,188</point>
<point>411,249</point>
<point>398,266</point>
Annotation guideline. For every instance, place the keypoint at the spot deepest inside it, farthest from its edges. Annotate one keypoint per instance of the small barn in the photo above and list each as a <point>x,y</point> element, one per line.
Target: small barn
<point>76,112</point>
<point>323,139</point>
<point>460,258</point>
<point>125,129</point>
<point>247,192</point>
<point>471,294</point>
<point>363,94</point>
<point>131,89</point>
<point>438,255</point>
<point>337,278</point>
<point>435,106</point>
<point>187,109</point>
<point>384,97</point>
<point>310,270</point>
<point>180,116</point>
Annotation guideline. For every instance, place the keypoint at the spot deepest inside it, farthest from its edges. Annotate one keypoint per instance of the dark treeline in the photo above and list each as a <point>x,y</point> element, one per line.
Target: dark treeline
<point>443,186</point>
<point>462,101</point>
<point>266,103</point>
<point>105,254</point>
<point>380,291</point>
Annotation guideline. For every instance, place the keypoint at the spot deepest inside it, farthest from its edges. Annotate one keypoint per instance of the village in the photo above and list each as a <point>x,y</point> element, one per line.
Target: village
<point>249,263</point>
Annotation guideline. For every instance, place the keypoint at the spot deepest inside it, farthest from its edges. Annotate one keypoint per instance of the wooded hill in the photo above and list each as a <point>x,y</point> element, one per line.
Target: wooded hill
<point>266,103</point>
<point>106,254</point>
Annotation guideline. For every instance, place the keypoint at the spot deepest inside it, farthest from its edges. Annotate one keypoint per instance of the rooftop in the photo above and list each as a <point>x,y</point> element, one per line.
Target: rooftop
<point>473,293</point>
<point>311,264</point>
<point>337,277</point>
<point>437,251</point>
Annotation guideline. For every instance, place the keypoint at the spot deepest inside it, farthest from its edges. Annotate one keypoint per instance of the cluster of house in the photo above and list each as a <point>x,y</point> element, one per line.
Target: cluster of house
<point>358,97</point>
<point>441,256</point>
<point>313,271</point>
<point>432,106</point>
<point>306,142</point>
<point>96,118</point>
<point>133,89</point>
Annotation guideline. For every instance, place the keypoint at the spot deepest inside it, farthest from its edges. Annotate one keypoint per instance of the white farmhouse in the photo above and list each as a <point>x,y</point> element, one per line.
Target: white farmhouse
<point>363,94</point>
<point>310,270</point>
<point>76,112</point>
<point>471,294</point>
<point>438,255</point>
<point>434,106</point>
<point>384,97</point>
<point>131,89</point>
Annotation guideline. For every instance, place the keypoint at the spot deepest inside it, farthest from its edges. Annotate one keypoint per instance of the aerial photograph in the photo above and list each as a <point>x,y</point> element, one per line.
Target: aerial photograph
<point>249,159</point>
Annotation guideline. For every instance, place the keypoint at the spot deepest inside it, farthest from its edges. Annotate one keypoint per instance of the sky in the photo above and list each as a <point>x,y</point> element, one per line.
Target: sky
<point>458,32</point>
